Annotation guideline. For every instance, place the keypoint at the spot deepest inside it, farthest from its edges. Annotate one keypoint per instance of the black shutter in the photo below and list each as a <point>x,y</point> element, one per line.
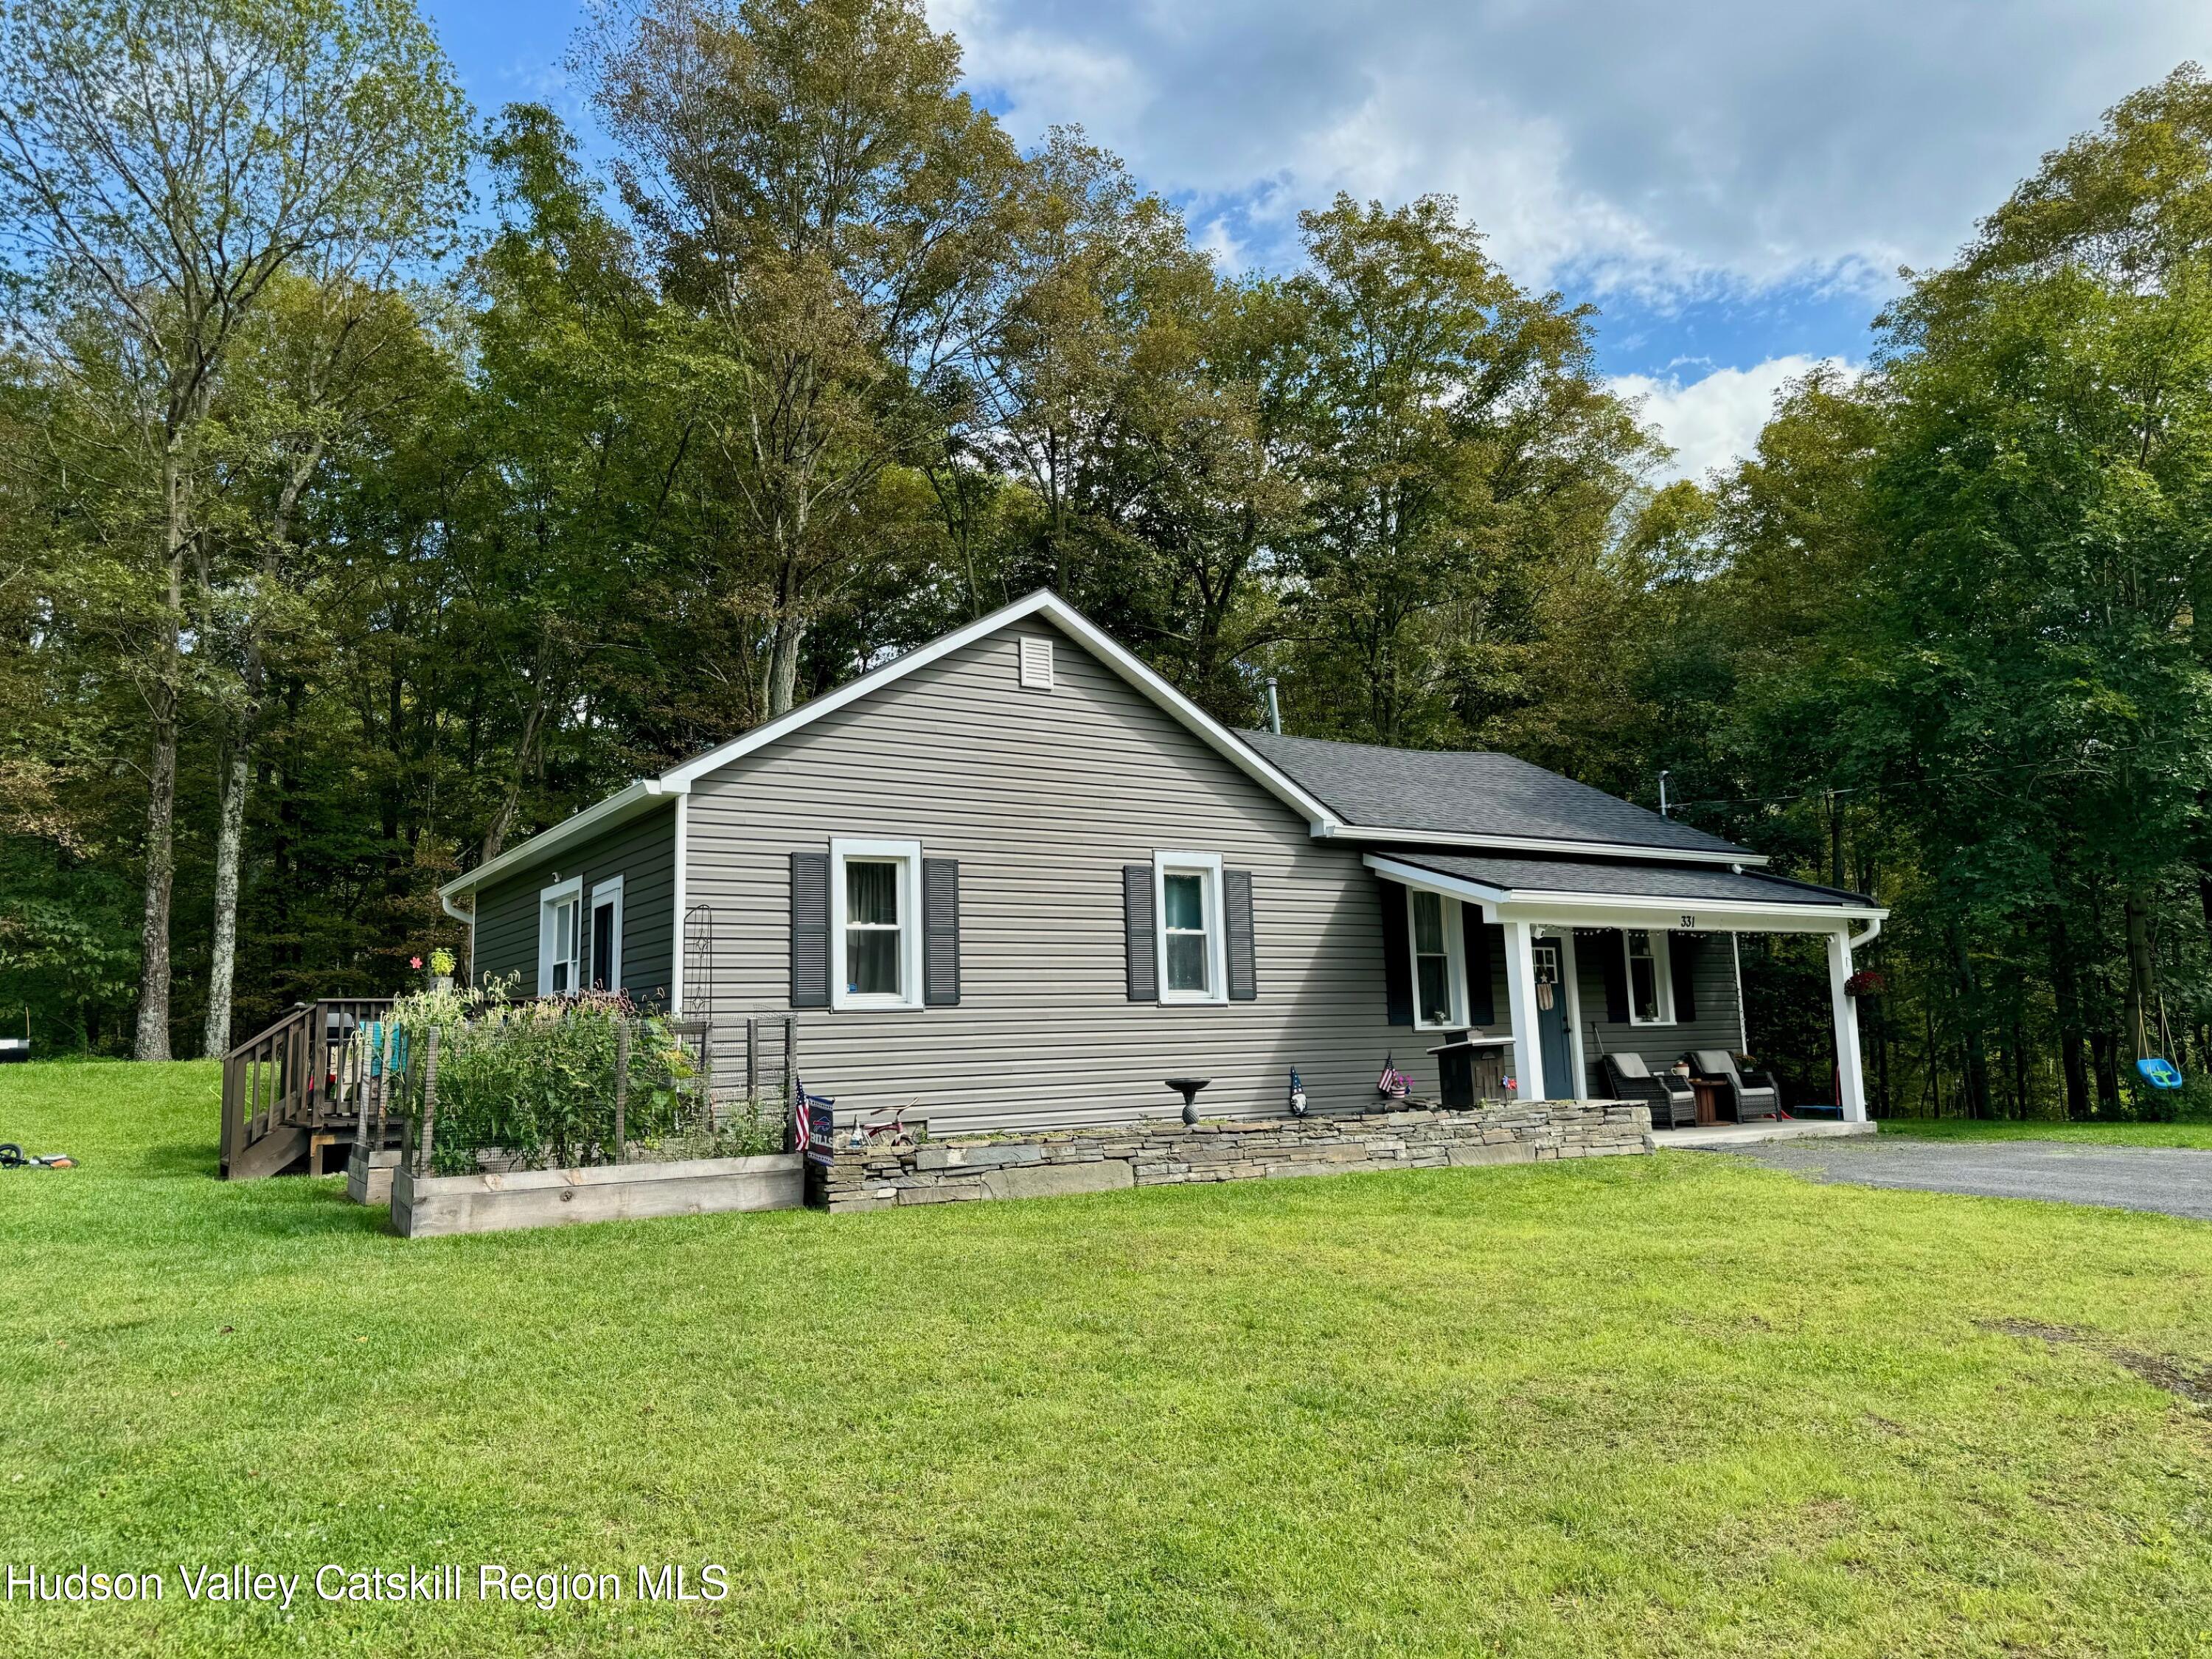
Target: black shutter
<point>1613,961</point>
<point>1237,904</point>
<point>1482,938</point>
<point>1137,928</point>
<point>1397,956</point>
<point>941,933</point>
<point>810,930</point>
<point>1682,964</point>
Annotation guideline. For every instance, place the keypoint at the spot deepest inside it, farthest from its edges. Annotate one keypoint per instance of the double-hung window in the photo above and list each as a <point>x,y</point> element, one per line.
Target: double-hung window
<point>1187,895</point>
<point>875,932</point>
<point>561,938</point>
<point>1650,982</point>
<point>1439,968</point>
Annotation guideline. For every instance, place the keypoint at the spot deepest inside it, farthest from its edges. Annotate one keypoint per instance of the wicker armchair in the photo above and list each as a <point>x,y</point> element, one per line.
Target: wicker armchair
<point>1670,1097</point>
<point>1756,1096</point>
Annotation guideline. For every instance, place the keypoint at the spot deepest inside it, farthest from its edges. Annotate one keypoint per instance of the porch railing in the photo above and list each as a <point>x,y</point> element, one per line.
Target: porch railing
<point>295,1078</point>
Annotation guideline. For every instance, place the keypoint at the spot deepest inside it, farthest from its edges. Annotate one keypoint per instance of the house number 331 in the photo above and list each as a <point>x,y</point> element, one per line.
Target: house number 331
<point>1689,922</point>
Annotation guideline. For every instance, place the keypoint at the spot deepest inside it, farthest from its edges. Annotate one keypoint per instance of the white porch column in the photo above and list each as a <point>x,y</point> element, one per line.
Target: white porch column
<point>1521,1002</point>
<point>1850,1081</point>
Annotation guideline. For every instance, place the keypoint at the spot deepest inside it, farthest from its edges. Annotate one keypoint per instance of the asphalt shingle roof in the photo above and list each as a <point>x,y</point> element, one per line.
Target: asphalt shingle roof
<point>1631,877</point>
<point>1472,793</point>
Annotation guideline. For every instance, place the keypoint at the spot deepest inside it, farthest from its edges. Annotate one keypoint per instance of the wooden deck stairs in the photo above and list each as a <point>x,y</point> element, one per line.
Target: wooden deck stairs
<point>293,1093</point>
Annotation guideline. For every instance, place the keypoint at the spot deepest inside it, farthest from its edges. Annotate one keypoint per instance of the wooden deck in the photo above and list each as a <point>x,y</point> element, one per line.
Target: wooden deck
<point>294,1092</point>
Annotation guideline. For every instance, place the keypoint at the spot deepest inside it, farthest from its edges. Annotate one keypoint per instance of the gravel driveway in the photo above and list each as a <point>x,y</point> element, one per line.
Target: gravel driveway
<point>2175,1181</point>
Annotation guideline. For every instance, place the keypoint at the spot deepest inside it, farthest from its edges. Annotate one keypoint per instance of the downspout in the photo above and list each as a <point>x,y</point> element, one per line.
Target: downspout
<point>468,916</point>
<point>681,882</point>
<point>1873,932</point>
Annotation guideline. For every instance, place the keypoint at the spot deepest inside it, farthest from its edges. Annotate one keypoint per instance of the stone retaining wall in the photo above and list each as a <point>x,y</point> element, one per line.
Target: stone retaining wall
<point>1166,1153</point>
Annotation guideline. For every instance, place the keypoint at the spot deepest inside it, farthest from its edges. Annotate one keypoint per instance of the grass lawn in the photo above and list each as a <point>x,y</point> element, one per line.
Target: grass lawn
<point>2087,1134</point>
<point>1639,1405</point>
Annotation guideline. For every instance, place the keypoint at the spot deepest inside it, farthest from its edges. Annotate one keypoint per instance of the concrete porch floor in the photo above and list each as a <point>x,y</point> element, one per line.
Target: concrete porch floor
<point>1727,1137</point>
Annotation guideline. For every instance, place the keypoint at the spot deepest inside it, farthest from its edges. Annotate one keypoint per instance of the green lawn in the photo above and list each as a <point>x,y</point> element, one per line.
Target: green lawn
<point>1667,1406</point>
<point>2094,1134</point>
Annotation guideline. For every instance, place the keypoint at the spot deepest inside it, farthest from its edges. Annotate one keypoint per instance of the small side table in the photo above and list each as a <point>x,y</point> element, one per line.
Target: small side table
<point>1712,1094</point>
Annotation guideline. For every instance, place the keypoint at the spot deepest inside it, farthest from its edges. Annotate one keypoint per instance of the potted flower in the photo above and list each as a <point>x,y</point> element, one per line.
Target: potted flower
<point>441,969</point>
<point>1867,982</point>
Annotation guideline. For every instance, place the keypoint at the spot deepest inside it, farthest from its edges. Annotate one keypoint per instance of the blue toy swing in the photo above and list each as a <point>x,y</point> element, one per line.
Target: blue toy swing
<point>2159,1074</point>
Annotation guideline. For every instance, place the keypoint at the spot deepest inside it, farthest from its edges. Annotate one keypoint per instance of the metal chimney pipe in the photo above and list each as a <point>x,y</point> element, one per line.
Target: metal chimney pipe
<point>1274,708</point>
<point>1662,794</point>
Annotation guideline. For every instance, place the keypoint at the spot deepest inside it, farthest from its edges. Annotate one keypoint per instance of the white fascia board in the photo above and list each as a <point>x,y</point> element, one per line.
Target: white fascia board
<point>1595,850</point>
<point>619,807</point>
<point>1715,916</point>
<point>1048,605</point>
<point>1625,910</point>
<point>1430,881</point>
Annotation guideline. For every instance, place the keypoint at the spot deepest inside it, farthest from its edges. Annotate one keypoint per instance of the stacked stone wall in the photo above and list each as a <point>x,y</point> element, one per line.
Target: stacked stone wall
<point>1058,1161</point>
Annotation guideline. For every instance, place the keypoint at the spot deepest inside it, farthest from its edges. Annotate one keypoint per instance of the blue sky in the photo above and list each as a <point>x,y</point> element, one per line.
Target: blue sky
<point>1734,183</point>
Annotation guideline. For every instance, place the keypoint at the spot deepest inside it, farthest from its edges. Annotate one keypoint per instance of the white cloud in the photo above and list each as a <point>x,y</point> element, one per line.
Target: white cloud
<point>1669,150</point>
<point>1713,422</point>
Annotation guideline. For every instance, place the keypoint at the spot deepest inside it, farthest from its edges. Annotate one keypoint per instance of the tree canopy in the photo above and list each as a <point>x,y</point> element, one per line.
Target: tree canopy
<point>348,534</point>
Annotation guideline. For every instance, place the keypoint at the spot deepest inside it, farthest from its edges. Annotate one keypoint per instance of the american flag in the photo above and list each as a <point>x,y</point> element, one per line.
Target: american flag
<point>803,1131</point>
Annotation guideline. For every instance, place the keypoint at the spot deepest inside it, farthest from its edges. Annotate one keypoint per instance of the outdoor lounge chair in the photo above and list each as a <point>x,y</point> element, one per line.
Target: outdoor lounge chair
<point>1759,1097</point>
<point>1671,1103</point>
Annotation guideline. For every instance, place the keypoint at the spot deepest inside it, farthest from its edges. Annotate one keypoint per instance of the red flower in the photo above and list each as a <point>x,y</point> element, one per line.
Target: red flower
<point>414,961</point>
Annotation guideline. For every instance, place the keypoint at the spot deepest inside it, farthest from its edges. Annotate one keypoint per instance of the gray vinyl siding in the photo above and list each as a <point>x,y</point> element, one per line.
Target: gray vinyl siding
<point>1718,1023</point>
<point>643,854</point>
<point>1043,797</point>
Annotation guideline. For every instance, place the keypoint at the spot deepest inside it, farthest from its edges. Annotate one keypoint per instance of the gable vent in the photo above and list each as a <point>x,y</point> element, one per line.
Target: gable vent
<point>1037,664</point>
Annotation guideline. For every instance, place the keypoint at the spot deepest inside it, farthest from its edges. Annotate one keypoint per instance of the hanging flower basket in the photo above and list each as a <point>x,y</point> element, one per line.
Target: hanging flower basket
<point>1867,982</point>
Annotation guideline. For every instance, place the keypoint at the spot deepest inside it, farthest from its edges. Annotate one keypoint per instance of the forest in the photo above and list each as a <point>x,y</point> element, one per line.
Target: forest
<point>382,480</point>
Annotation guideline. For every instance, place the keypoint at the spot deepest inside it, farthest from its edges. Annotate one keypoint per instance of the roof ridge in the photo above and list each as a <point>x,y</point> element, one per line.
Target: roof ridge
<point>1397,749</point>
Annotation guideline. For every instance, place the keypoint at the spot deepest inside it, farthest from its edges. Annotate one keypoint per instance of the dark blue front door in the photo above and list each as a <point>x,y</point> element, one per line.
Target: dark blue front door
<point>1551,1019</point>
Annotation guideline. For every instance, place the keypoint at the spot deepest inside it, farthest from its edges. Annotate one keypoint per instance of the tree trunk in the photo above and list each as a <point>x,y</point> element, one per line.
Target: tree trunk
<point>152,1039</point>
<point>2103,1050</point>
<point>230,829</point>
<point>510,806</point>
<point>2142,974</point>
<point>1976,1078</point>
<point>153,1036</point>
<point>222,956</point>
<point>2066,990</point>
<point>783,663</point>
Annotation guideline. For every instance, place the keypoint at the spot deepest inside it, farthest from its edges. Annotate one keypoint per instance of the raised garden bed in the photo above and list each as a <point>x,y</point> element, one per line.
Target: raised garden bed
<point>368,1174</point>
<point>425,1207</point>
<point>566,1110</point>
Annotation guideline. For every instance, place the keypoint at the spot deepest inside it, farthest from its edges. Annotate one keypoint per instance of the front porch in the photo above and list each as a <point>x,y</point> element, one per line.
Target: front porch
<point>1594,970</point>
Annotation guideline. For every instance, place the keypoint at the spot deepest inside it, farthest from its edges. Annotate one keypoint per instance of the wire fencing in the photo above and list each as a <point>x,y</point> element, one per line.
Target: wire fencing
<point>563,1083</point>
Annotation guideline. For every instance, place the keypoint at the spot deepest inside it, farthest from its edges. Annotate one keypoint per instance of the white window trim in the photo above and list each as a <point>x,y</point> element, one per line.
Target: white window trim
<point>1662,974</point>
<point>908,854</point>
<point>547,898</point>
<point>606,894</point>
<point>1454,927</point>
<point>1217,947</point>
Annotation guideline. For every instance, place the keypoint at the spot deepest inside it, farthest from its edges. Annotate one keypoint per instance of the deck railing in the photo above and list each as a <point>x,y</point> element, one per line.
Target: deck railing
<point>296,1074</point>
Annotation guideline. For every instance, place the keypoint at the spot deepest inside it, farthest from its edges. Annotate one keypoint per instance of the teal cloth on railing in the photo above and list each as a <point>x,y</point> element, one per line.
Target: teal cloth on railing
<point>373,1034</point>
